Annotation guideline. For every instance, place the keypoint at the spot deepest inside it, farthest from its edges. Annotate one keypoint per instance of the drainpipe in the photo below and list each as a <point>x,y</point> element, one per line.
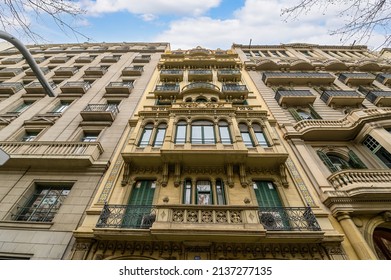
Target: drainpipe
<point>30,60</point>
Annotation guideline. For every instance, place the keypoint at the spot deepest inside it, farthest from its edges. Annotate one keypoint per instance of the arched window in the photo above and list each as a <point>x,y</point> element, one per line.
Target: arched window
<point>188,99</point>
<point>201,100</point>
<point>335,162</point>
<point>246,135</point>
<point>147,132</point>
<point>260,135</point>
<point>160,133</point>
<point>225,136</point>
<point>202,132</point>
<point>180,136</point>
<point>304,115</point>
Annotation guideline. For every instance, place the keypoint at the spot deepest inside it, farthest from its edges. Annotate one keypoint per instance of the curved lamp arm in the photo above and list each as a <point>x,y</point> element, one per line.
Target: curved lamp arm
<point>30,60</point>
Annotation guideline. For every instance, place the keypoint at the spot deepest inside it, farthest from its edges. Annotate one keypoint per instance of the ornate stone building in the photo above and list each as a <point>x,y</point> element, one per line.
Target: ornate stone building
<point>206,174</point>
<point>332,104</point>
<point>61,146</point>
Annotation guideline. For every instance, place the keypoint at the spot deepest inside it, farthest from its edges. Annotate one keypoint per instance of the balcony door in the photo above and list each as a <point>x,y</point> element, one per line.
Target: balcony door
<point>266,193</point>
<point>139,212</point>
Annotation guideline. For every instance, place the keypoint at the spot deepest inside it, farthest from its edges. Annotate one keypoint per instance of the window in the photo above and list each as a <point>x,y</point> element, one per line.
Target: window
<point>30,136</point>
<point>90,136</point>
<point>225,136</point>
<point>160,133</point>
<point>23,107</point>
<point>43,204</point>
<point>220,195</point>
<point>147,132</point>
<point>204,193</point>
<point>180,137</point>
<point>246,135</point>
<point>202,132</point>
<point>61,107</point>
<point>187,192</point>
<point>260,136</point>
<point>304,114</point>
<point>336,162</point>
<point>378,150</point>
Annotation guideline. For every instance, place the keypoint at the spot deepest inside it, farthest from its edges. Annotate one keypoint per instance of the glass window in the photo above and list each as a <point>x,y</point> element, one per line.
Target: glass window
<point>61,107</point>
<point>377,149</point>
<point>304,115</point>
<point>260,136</point>
<point>202,132</point>
<point>246,135</point>
<point>180,137</point>
<point>224,133</point>
<point>338,162</point>
<point>160,133</point>
<point>23,107</point>
<point>147,132</point>
<point>30,136</point>
<point>187,192</point>
<point>220,192</point>
<point>43,204</point>
<point>204,193</point>
<point>90,136</point>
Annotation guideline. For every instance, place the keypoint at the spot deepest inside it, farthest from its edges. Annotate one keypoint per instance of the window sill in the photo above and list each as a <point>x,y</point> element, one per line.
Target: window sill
<point>26,225</point>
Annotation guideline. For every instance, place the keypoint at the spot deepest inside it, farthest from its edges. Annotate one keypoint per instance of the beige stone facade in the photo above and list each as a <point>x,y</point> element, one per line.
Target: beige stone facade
<point>60,147</point>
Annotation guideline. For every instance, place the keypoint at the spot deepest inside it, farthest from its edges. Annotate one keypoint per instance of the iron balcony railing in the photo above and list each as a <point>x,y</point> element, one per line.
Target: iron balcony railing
<point>171,72</point>
<point>199,85</point>
<point>127,216</point>
<point>298,93</point>
<point>167,88</point>
<point>200,72</point>
<point>338,93</point>
<point>120,84</point>
<point>84,85</point>
<point>383,78</point>
<point>375,94</point>
<point>230,88</point>
<point>346,76</point>
<point>288,218</point>
<point>228,72</point>
<point>113,108</point>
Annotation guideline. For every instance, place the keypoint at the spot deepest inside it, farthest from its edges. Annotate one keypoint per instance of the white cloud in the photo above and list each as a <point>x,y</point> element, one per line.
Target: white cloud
<point>259,20</point>
<point>150,7</point>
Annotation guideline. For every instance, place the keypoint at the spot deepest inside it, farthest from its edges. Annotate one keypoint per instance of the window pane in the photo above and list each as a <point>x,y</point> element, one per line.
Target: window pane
<point>209,136</point>
<point>180,134</point>
<point>196,134</point>
<point>187,193</point>
<point>159,137</point>
<point>247,139</point>
<point>224,135</point>
<point>220,193</point>
<point>261,139</point>
<point>145,137</point>
<point>204,194</point>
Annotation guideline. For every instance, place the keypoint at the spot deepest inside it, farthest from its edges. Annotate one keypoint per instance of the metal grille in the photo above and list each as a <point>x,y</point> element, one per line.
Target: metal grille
<point>126,216</point>
<point>288,218</point>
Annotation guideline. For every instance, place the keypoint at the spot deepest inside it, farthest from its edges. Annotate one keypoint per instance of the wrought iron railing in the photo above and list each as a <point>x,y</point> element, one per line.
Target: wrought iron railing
<point>288,218</point>
<point>233,87</point>
<point>126,216</point>
<point>113,108</point>
<point>228,72</point>
<point>120,84</point>
<point>203,85</point>
<point>327,94</point>
<point>171,72</point>
<point>167,88</point>
<point>200,72</point>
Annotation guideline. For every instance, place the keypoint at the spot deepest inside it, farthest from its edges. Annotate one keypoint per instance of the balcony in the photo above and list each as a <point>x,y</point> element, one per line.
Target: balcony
<point>30,72</point>
<point>200,75</point>
<point>384,78</point>
<point>356,79</point>
<point>342,97</point>
<point>206,219</point>
<point>199,87</point>
<point>362,181</point>
<point>133,71</point>
<point>379,98</point>
<point>60,59</point>
<point>95,71</point>
<point>10,88</point>
<point>174,75</point>
<point>39,59</point>
<point>52,154</point>
<point>100,112</point>
<point>110,59</point>
<point>142,59</point>
<point>10,72</point>
<point>235,91</point>
<point>11,60</point>
<point>297,78</point>
<point>84,59</point>
<point>294,97</point>
<point>119,87</point>
<point>66,71</point>
<point>75,87</point>
<point>36,88</point>
<point>231,75</point>
<point>166,90</point>
<point>288,219</point>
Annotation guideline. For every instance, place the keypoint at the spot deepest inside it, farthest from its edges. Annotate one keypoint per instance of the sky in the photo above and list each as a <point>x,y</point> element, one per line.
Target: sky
<point>211,24</point>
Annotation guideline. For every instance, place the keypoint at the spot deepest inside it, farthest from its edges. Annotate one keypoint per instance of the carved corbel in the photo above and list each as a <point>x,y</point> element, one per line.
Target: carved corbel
<point>177,175</point>
<point>164,175</point>
<point>243,176</point>
<point>283,175</point>
<point>230,175</point>
<point>126,176</point>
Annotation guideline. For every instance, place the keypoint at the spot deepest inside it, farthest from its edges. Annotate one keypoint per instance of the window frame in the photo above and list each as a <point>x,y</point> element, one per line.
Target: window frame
<point>204,140</point>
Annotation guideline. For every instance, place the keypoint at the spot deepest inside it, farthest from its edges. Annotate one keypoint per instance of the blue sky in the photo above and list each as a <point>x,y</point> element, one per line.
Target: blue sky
<point>189,23</point>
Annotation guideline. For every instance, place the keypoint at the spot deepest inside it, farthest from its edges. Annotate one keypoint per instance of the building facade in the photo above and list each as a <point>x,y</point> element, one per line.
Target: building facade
<point>61,146</point>
<point>205,174</point>
<point>332,104</point>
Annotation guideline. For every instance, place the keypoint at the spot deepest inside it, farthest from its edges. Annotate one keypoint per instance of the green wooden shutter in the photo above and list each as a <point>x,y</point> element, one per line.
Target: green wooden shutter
<point>327,161</point>
<point>294,114</point>
<point>356,161</point>
<point>267,195</point>
<point>314,114</point>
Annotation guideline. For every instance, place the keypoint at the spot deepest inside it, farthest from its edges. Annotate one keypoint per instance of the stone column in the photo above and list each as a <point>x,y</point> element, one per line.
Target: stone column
<point>360,246</point>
